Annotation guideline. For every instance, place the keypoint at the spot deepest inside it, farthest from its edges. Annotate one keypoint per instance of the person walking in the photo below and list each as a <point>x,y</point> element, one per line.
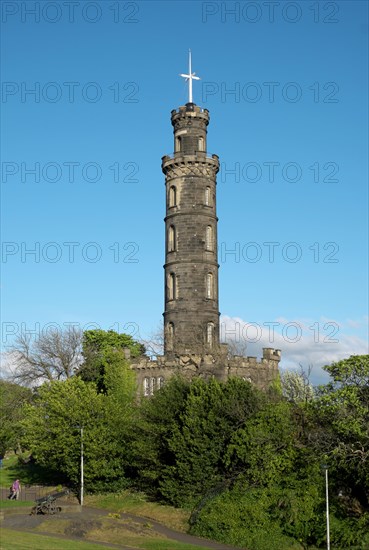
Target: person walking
<point>16,488</point>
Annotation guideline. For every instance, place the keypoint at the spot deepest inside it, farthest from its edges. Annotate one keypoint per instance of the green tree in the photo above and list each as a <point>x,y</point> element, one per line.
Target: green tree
<point>341,431</point>
<point>121,406</point>
<point>241,517</point>
<point>151,432</point>
<point>196,444</point>
<point>120,382</point>
<point>200,443</point>
<point>277,500</point>
<point>52,423</point>
<point>264,447</point>
<point>97,346</point>
<point>12,399</point>
<point>186,429</point>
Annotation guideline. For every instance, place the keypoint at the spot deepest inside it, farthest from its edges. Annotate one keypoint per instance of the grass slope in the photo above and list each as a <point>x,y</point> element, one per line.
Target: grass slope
<point>15,540</point>
<point>16,504</point>
<point>138,504</point>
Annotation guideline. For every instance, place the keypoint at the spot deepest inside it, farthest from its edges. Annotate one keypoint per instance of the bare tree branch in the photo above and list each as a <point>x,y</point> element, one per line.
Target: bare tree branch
<point>54,355</point>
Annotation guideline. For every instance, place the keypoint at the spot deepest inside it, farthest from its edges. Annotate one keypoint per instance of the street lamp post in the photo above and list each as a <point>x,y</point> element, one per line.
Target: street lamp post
<point>325,468</point>
<point>81,494</point>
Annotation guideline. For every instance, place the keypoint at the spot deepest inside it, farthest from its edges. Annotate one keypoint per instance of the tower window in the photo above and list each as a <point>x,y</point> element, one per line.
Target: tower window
<point>209,242</point>
<point>210,334</point>
<point>172,196</point>
<point>207,196</point>
<point>178,144</point>
<point>170,332</point>
<point>209,286</point>
<point>171,238</point>
<point>172,284</point>
<point>201,144</point>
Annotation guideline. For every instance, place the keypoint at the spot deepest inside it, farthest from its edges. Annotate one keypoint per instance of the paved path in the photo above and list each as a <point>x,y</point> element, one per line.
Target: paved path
<point>26,522</point>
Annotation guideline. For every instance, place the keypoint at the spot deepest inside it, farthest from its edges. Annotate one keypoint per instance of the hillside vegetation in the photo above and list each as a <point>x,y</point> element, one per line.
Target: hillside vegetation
<point>246,466</point>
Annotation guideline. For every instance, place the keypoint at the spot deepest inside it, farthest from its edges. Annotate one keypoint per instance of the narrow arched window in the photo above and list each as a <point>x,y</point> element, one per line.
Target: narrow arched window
<point>209,286</point>
<point>152,385</point>
<point>171,238</point>
<point>178,144</point>
<point>210,334</point>
<point>172,286</point>
<point>201,144</point>
<point>172,196</point>
<point>209,244</point>
<point>160,382</point>
<point>207,196</point>
<point>170,333</point>
<point>146,386</point>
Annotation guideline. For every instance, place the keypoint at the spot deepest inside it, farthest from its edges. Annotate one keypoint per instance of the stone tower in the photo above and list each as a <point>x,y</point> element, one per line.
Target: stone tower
<point>191,317</point>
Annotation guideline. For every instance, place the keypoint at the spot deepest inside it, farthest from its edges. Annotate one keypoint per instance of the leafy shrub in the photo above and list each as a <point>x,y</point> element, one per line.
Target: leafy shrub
<point>241,518</point>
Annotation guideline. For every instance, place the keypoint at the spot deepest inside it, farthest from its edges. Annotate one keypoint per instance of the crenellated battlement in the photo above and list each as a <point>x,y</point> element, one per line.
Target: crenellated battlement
<point>221,366</point>
<point>272,354</point>
<point>190,109</point>
<point>194,121</point>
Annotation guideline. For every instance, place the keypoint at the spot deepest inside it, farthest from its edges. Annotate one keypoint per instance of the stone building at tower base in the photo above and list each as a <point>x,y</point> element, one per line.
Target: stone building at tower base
<point>152,374</point>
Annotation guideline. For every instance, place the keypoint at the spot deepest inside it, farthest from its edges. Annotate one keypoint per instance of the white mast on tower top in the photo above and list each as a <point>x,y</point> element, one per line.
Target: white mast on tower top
<point>190,77</point>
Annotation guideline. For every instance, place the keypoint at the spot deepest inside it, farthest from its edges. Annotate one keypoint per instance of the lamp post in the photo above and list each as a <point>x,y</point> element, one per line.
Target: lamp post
<point>325,468</point>
<point>82,481</point>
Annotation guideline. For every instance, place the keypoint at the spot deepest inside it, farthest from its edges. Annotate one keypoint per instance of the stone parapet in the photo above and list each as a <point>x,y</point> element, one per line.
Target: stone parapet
<point>220,366</point>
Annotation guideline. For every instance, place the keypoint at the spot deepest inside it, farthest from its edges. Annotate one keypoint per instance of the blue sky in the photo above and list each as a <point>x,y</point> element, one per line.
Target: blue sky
<point>286,87</point>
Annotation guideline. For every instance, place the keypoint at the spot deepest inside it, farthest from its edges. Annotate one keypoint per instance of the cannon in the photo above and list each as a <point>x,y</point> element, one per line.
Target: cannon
<point>47,504</point>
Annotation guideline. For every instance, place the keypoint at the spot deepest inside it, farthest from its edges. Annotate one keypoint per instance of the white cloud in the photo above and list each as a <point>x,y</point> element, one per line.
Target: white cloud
<point>302,341</point>
<point>7,365</point>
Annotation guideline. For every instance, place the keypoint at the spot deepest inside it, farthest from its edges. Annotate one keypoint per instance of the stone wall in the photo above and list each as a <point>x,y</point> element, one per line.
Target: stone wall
<point>152,374</point>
